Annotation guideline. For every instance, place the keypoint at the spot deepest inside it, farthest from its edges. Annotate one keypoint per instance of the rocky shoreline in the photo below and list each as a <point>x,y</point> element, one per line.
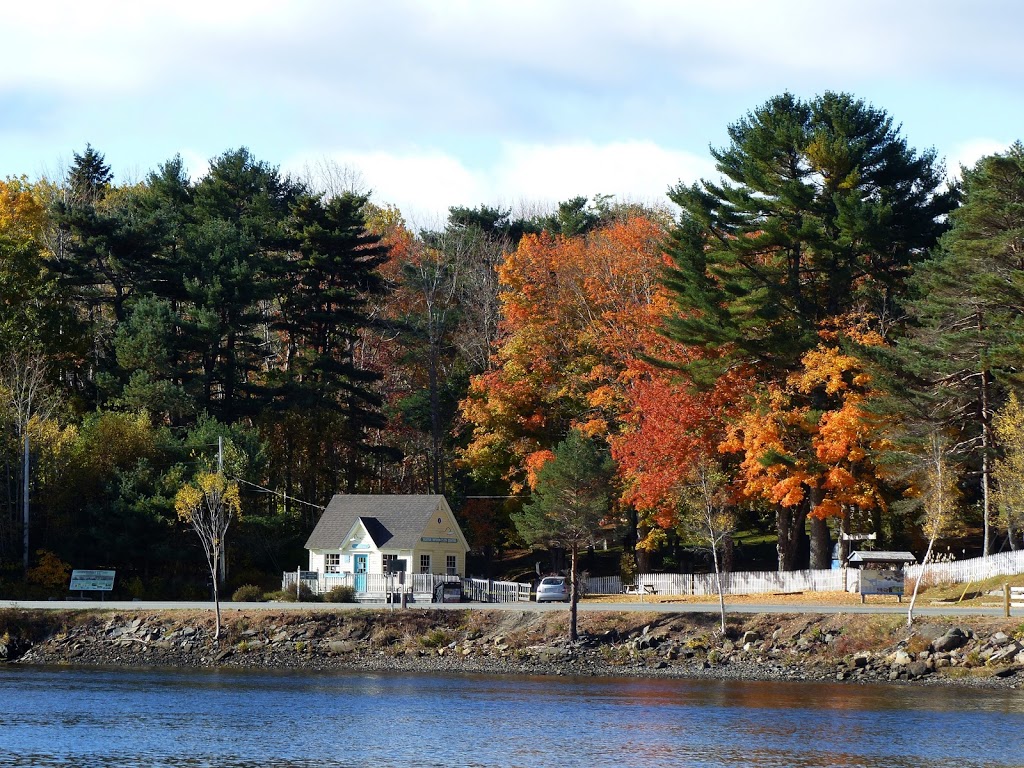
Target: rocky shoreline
<point>823,648</point>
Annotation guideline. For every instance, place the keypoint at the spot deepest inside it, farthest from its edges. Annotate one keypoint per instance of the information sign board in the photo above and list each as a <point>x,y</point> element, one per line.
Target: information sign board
<point>888,581</point>
<point>91,581</point>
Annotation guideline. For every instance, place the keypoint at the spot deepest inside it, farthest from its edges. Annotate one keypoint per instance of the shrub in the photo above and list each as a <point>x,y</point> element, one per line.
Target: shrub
<point>627,568</point>
<point>248,593</point>
<point>385,636</point>
<point>307,595</point>
<point>50,572</point>
<point>340,594</point>
<point>134,587</point>
<point>435,638</point>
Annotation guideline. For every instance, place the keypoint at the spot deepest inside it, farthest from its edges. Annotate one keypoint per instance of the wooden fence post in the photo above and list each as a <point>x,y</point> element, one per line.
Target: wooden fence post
<point>1006,600</point>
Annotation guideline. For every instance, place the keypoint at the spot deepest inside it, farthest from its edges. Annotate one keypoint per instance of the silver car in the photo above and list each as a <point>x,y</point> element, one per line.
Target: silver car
<point>553,589</point>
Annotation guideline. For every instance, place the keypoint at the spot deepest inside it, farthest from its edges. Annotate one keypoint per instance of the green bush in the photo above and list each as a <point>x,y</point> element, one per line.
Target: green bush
<point>435,638</point>
<point>134,587</point>
<point>340,594</point>
<point>248,593</point>
<point>306,595</point>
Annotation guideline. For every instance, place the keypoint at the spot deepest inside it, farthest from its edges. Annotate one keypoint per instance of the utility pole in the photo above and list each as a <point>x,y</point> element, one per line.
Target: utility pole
<point>224,545</point>
<point>24,561</point>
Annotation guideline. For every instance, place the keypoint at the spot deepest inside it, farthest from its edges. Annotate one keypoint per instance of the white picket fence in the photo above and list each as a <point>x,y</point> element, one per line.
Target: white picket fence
<point>376,586</point>
<point>737,583</point>
<point>967,571</point>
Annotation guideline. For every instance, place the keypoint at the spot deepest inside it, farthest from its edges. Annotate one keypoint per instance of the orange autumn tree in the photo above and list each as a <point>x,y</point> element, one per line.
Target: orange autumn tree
<point>805,444</point>
<point>669,429</point>
<point>574,310</point>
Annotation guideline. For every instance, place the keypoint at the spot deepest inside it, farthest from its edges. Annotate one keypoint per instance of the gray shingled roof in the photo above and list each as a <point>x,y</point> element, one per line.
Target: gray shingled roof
<point>397,521</point>
<point>869,556</point>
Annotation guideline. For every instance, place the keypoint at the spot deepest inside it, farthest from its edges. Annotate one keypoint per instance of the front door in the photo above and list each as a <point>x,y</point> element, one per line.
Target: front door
<point>360,566</point>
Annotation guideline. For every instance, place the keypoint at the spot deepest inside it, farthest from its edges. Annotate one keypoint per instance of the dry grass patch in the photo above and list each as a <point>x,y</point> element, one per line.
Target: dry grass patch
<point>974,593</point>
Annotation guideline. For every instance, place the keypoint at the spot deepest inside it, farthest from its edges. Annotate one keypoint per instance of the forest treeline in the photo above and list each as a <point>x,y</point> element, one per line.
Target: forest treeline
<point>828,335</point>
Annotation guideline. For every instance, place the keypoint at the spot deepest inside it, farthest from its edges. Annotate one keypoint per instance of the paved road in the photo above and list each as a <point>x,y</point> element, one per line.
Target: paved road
<point>659,607</point>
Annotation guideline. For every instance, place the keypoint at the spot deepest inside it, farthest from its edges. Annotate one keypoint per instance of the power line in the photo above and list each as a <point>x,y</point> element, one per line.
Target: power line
<point>277,493</point>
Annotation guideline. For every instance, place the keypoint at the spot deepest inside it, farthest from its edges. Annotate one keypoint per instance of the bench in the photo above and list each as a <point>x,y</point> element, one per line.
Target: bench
<point>635,589</point>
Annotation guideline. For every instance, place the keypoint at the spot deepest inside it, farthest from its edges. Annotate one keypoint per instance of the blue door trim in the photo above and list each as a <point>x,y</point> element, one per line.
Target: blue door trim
<point>360,565</point>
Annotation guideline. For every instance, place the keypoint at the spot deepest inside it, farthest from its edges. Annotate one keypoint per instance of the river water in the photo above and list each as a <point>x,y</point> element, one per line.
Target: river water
<point>113,718</point>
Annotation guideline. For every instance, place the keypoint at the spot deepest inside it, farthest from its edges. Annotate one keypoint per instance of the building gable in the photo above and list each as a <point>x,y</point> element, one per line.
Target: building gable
<point>398,522</point>
<point>441,528</point>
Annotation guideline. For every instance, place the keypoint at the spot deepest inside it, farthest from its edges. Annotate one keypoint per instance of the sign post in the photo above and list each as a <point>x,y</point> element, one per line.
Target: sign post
<point>396,566</point>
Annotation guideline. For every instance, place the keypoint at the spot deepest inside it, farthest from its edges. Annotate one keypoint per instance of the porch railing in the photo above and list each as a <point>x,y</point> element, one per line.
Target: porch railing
<point>375,586</point>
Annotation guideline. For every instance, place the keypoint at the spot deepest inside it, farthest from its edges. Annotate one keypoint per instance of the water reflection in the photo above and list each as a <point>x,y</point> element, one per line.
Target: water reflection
<point>164,719</point>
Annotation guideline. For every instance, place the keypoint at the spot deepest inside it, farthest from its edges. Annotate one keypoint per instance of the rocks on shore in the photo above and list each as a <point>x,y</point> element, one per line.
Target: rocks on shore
<point>769,648</point>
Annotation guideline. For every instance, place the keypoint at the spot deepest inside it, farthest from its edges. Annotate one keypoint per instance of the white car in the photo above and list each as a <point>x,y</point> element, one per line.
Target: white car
<point>553,589</point>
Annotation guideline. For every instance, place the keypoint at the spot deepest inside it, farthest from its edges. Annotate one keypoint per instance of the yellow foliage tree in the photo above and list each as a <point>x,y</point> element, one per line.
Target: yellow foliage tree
<point>50,572</point>
<point>1008,425</point>
<point>208,504</point>
<point>936,494</point>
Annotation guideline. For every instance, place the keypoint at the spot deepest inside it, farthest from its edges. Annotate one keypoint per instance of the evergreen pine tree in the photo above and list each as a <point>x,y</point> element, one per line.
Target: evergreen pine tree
<point>330,278</point>
<point>822,211</point>
<point>568,504</point>
<point>963,350</point>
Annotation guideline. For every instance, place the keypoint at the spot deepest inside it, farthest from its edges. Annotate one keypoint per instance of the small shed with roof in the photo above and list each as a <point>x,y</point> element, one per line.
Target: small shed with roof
<point>881,573</point>
<point>372,534</point>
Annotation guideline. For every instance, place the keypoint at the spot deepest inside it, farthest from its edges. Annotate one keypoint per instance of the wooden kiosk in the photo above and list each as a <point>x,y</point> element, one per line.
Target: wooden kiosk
<point>881,573</point>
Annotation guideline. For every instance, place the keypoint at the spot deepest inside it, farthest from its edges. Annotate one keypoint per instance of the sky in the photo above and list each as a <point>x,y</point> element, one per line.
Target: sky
<point>517,103</point>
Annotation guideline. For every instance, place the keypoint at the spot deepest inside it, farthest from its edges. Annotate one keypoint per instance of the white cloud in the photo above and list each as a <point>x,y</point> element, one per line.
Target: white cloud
<point>196,165</point>
<point>970,152</point>
<point>424,185</point>
<point>635,170</point>
<point>558,98</point>
<point>113,44</point>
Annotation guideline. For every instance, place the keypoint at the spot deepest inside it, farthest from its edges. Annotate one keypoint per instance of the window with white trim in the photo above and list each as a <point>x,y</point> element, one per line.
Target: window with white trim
<point>424,563</point>
<point>387,560</point>
<point>450,565</point>
<point>332,562</point>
